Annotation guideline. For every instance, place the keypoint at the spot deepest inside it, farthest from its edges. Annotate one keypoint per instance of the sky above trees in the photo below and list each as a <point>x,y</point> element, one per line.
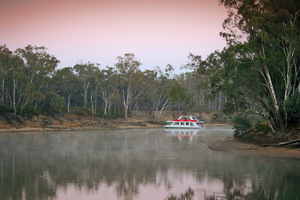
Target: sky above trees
<point>158,32</point>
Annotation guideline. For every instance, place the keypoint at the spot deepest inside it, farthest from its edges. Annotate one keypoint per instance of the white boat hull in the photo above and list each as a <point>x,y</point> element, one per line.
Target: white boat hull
<point>182,127</point>
<point>182,124</point>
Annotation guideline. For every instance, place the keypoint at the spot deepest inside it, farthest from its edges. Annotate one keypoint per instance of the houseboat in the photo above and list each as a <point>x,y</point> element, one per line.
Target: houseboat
<point>184,122</point>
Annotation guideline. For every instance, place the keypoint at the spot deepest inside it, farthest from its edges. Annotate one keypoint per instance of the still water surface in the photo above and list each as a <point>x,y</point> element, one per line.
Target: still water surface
<point>137,164</point>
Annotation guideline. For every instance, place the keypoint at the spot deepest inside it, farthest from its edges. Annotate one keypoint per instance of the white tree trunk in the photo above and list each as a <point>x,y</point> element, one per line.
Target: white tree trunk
<point>3,88</point>
<point>68,103</point>
<point>92,105</point>
<point>14,96</point>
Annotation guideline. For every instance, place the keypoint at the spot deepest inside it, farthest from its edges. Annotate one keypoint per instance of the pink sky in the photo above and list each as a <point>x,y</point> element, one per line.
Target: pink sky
<point>158,32</point>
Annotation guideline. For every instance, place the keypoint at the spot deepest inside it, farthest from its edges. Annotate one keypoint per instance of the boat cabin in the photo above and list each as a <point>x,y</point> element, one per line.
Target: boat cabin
<point>181,124</point>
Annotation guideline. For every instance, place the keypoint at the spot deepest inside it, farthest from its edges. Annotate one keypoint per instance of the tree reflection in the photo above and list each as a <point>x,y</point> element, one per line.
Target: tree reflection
<point>36,166</point>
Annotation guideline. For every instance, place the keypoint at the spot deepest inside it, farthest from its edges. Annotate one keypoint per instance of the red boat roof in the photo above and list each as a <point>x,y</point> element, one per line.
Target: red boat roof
<point>184,120</point>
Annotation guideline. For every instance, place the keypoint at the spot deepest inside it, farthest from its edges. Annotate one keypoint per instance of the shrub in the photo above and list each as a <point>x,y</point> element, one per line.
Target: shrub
<point>111,115</point>
<point>29,111</point>
<point>241,123</point>
<point>6,108</point>
<point>81,111</point>
<point>262,127</point>
<point>54,103</point>
<point>292,107</point>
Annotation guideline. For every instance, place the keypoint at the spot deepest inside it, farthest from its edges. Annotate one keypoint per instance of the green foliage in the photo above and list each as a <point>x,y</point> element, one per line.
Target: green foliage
<point>28,111</point>
<point>179,95</point>
<point>6,108</point>
<point>292,107</point>
<point>30,77</point>
<point>229,108</point>
<point>241,123</point>
<point>261,70</point>
<point>81,111</point>
<point>113,115</point>
<point>54,103</point>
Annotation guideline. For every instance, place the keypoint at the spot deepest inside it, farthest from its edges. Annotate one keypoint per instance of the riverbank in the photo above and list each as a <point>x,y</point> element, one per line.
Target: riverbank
<point>10,123</point>
<point>80,128</point>
<point>231,144</point>
<point>72,122</point>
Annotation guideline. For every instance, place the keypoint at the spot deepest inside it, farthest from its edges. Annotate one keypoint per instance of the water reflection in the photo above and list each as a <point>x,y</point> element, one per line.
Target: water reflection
<point>137,164</point>
<point>183,134</point>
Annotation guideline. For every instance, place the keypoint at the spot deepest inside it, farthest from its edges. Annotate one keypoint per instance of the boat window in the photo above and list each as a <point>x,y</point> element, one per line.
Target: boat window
<point>176,123</point>
<point>187,123</point>
<point>181,123</point>
<point>192,124</point>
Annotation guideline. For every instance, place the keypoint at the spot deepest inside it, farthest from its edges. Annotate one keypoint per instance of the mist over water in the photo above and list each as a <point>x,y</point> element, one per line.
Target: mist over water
<point>137,164</point>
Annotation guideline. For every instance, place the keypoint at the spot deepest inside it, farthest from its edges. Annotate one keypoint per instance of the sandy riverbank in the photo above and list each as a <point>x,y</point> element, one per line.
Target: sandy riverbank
<point>87,128</point>
<point>234,145</point>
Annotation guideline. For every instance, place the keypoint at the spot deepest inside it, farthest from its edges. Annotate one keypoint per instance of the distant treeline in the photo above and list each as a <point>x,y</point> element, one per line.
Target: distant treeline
<point>31,84</point>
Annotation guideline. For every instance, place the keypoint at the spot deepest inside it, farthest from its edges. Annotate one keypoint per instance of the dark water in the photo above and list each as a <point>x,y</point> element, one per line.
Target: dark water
<point>137,164</point>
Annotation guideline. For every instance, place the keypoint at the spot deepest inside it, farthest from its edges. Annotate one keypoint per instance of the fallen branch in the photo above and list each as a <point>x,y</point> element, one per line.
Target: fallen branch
<point>292,143</point>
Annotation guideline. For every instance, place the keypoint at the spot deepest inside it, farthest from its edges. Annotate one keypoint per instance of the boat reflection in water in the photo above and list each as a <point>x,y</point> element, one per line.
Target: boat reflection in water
<point>183,134</point>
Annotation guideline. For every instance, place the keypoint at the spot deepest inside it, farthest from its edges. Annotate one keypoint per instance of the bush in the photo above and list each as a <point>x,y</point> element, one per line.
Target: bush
<point>6,108</point>
<point>241,123</point>
<point>119,114</point>
<point>81,111</point>
<point>292,107</point>
<point>262,127</point>
<point>29,111</point>
<point>112,115</point>
<point>54,103</point>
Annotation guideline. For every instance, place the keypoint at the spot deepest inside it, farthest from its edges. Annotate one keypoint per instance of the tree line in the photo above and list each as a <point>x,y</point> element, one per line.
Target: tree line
<point>32,84</point>
<point>254,79</point>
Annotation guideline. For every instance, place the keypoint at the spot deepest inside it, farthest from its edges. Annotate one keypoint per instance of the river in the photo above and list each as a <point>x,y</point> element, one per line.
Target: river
<point>138,164</point>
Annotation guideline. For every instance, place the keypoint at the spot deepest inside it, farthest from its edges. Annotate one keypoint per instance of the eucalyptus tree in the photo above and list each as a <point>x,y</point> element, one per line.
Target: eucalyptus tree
<point>201,77</point>
<point>178,93</point>
<point>108,88</point>
<point>85,73</point>
<point>39,67</point>
<point>5,56</point>
<point>272,28</point>
<point>53,103</point>
<point>180,96</point>
<point>160,96</point>
<point>65,84</point>
<point>242,85</point>
<point>147,94</point>
<point>128,69</point>
<point>96,78</point>
<point>17,81</point>
<point>155,94</point>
